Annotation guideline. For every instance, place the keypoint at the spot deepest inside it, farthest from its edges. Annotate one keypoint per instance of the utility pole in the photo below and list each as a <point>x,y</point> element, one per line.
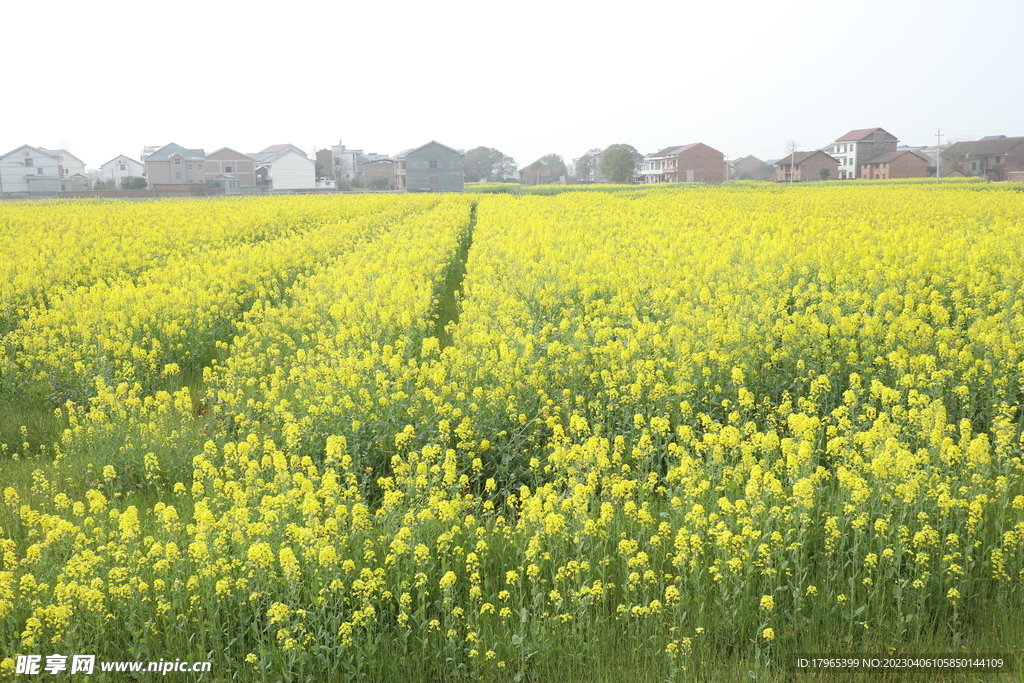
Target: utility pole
<point>938,154</point>
<point>792,160</point>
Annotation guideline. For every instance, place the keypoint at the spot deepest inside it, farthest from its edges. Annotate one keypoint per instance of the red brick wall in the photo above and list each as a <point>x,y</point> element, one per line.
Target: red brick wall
<point>810,169</point>
<point>242,167</point>
<point>908,166</point>
<point>379,169</point>
<point>708,165</point>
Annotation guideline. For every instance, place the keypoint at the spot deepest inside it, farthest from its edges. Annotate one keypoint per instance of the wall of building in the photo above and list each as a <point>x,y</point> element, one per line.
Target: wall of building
<point>700,164</point>
<point>379,169</point>
<point>132,169</point>
<point>810,169</point>
<point>292,171</point>
<point>908,166</point>
<point>448,176</point>
<point>13,169</point>
<point>233,163</point>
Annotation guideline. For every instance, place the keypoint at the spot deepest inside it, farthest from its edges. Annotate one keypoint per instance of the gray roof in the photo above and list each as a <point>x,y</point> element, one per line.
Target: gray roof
<point>59,152</point>
<point>119,156</point>
<point>406,152</point>
<point>984,147</point>
<point>665,152</point>
<point>801,157</point>
<point>166,151</point>
<point>887,157</point>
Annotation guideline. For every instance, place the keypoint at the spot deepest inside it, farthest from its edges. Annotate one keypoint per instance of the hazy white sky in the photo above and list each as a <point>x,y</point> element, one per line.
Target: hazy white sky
<point>525,76</point>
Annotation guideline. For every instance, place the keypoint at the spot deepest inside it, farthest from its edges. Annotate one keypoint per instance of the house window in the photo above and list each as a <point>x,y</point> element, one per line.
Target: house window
<point>200,167</point>
<point>433,178</point>
<point>227,169</point>
<point>177,162</point>
<point>190,167</point>
<point>974,165</point>
<point>433,164</point>
<point>39,170</point>
<point>177,175</point>
<point>121,167</point>
<point>999,160</point>
<point>29,162</point>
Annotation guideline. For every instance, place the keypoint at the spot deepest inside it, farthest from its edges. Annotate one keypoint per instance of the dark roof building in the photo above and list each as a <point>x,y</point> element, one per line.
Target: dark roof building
<point>996,159</point>
<point>897,164</point>
<point>806,166</point>
<point>859,145</point>
<point>432,167</point>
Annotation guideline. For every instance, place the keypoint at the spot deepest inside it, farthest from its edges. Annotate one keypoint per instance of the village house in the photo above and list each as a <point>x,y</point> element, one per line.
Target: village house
<point>996,159</point>
<point>898,164</point>
<point>174,165</point>
<point>806,166</point>
<point>693,163</point>
<point>379,174</point>
<point>121,167</point>
<point>432,167</point>
<point>535,174</point>
<point>751,168</point>
<point>229,162</point>
<point>857,146</point>
<point>40,172</point>
<point>284,167</point>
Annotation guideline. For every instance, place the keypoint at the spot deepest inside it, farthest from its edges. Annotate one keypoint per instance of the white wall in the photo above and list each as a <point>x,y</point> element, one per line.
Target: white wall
<point>112,169</point>
<point>292,171</point>
<point>13,169</point>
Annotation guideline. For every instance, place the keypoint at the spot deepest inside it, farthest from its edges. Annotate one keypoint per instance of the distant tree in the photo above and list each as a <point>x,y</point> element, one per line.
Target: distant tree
<point>824,173</point>
<point>488,164</point>
<point>555,165</point>
<point>586,165</point>
<point>637,156</point>
<point>133,183</point>
<point>618,163</point>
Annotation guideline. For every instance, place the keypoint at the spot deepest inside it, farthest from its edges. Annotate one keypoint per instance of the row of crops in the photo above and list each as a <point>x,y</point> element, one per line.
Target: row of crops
<point>643,432</point>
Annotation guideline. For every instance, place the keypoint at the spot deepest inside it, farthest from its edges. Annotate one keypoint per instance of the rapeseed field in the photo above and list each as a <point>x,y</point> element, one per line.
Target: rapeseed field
<point>681,434</point>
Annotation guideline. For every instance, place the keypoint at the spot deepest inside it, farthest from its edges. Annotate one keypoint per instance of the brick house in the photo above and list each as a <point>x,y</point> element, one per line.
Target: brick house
<point>857,146</point>
<point>174,165</point>
<point>806,166</point>
<point>535,174</point>
<point>898,164</point>
<point>379,174</point>
<point>994,159</point>
<point>751,168</point>
<point>227,161</point>
<point>693,163</point>
<point>432,167</point>
<point>324,166</point>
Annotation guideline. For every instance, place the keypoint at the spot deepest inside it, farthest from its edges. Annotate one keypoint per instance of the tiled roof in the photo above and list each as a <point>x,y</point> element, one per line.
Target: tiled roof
<point>985,147</point>
<point>801,157</point>
<point>862,133</point>
<point>166,151</point>
<point>887,157</point>
<point>405,152</point>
